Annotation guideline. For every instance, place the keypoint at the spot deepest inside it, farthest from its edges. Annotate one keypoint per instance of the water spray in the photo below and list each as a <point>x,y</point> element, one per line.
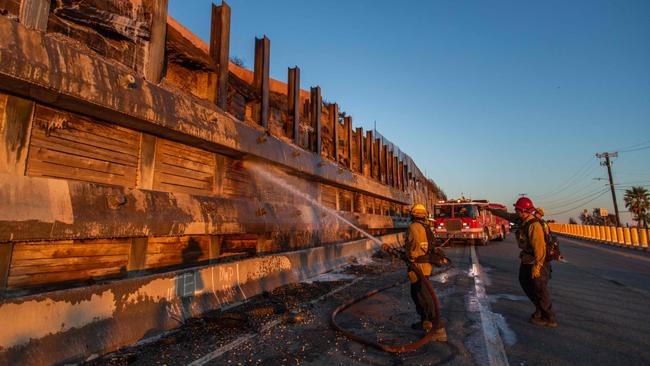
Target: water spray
<point>284,183</point>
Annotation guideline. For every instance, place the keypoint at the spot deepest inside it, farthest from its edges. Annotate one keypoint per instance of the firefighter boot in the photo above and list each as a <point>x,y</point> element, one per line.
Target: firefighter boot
<point>427,326</point>
<point>537,314</point>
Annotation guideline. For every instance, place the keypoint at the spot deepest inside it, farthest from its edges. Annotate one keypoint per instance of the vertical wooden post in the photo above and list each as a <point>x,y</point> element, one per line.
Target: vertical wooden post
<point>138,254</point>
<point>316,108</point>
<point>220,50</point>
<point>261,77</point>
<point>34,14</point>
<point>359,133</point>
<point>396,172</point>
<point>384,164</point>
<point>400,176</point>
<point>15,131</point>
<point>369,151</point>
<point>334,122</point>
<point>215,247</point>
<point>155,60</point>
<point>293,111</point>
<point>389,166</point>
<point>6,251</point>
<point>219,174</point>
<point>348,129</point>
<point>147,161</point>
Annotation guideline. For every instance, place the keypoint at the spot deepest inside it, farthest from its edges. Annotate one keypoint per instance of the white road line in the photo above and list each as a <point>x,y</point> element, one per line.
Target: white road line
<point>496,353</point>
<point>266,327</point>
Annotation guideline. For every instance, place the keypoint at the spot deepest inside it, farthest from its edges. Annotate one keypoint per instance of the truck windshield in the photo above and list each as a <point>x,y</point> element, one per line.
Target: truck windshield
<point>443,211</point>
<point>466,211</point>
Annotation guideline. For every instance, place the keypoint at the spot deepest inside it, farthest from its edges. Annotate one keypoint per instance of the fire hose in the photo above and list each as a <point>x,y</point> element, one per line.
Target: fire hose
<point>400,254</point>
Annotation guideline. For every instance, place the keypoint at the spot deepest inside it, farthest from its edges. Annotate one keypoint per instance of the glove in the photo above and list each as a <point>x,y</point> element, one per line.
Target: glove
<point>536,272</point>
<point>413,278</point>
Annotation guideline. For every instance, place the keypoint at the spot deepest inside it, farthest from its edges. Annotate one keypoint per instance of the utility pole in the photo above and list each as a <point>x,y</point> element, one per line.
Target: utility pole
<point>608,164</point>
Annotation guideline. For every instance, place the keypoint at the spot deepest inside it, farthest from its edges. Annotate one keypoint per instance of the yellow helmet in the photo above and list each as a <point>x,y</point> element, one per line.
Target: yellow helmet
<point>418,210</point>
<point>540,211</point>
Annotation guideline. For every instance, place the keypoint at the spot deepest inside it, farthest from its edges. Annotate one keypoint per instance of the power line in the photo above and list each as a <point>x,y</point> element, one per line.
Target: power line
<point>562,187</point>
<point>636,149</point>
<point>620,149</point>
<point>568,195</point>
<point>582,198</point>
<point>580,205</point>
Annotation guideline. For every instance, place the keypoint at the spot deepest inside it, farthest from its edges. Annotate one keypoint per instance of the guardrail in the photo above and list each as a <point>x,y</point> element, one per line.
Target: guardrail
<point>620,236</point>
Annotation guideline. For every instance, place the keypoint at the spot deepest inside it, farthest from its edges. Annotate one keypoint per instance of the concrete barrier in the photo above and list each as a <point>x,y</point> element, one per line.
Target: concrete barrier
<point>71,325</point>
<point>624,236</point>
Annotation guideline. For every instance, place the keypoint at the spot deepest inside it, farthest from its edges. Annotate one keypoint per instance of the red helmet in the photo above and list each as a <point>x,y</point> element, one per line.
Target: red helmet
<point>524,204</point>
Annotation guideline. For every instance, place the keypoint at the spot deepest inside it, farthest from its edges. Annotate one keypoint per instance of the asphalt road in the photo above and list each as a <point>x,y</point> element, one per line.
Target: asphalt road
<point>601,296</point>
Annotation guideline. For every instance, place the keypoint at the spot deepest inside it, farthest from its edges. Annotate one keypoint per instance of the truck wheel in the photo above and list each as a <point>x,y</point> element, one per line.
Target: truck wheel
<point>485,238</point>
<point>502,233</point>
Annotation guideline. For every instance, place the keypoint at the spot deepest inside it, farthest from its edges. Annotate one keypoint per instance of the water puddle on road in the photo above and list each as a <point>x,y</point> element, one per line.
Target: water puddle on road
<point>444,277</point>
<point>331,277</point>
<point>511,297</point>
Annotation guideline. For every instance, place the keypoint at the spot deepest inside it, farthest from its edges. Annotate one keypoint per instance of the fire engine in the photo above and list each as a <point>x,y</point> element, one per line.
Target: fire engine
<point>469,221</point>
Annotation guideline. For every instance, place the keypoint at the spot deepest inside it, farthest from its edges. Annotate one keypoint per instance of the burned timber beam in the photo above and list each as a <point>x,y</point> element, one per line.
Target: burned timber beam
<point>29,67</point>
<point>62,210</point>
<point>348,142</point>
<point>261,79</point>
<point>155,61</point>
<point>293,96</point>
<point>334,116</point>
<point>316,104</point>
<point>220,49</point>
<point>34,13</point>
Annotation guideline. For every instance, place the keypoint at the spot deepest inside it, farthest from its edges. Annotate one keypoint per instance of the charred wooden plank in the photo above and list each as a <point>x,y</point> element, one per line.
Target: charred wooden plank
<point>182,51</point>
<point>34,13</point>
<point>102,19</point>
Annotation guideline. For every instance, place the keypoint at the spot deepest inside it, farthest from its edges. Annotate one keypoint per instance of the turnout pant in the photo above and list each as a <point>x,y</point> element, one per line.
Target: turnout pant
<point>537,289</point>
<point>423,301</point>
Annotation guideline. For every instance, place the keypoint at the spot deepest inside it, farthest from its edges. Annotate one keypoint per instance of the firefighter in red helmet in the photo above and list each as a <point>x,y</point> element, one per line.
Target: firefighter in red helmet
<point>535,270</point>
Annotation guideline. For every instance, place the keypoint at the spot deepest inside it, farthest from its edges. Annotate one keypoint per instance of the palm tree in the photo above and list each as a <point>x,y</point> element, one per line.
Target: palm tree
<point>637,200</point>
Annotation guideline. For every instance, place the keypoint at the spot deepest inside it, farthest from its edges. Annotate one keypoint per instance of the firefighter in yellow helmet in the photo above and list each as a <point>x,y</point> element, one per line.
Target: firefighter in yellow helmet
<point>417,245</point>
<point>539,213</point>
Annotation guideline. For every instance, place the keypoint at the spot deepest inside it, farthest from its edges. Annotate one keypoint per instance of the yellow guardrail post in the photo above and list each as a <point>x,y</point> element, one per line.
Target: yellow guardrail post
<point>626,236</point>
<point>593,232</point>
<point>612,235</point>
<point>597,233</point>
<point>643,233</point>
<point>603,233</point>
<point>619,235</point>
<point>635,237</point>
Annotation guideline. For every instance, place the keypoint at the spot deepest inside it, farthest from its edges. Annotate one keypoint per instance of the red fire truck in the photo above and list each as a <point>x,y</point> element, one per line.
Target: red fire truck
<point>469,221</point>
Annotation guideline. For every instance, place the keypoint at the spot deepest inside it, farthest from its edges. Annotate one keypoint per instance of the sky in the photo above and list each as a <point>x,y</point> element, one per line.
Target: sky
<point>491,99</point>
